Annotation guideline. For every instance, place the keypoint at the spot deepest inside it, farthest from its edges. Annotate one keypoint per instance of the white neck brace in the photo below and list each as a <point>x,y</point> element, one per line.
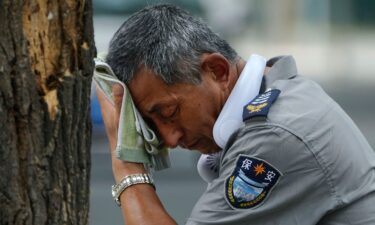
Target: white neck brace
<point>246,88</point>
<point>230,119</point>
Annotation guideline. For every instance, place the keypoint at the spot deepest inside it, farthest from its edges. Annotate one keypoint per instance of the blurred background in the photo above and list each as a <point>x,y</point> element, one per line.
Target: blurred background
<point>333,42</point>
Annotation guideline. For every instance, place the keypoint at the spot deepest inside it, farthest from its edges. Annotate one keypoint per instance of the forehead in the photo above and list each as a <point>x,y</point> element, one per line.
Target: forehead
<point>148,90</point>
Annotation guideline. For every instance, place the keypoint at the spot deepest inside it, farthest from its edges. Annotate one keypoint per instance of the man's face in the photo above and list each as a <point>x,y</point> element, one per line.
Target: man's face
<point>183,114</point>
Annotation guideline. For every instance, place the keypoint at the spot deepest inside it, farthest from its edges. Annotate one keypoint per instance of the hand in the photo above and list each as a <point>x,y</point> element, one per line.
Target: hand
<point>111,112</point>
<point>111,117</point>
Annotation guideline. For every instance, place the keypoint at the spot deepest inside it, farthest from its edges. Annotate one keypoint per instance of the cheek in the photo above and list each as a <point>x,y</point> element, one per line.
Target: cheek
<point>198,111</point>
<point>197,120</point>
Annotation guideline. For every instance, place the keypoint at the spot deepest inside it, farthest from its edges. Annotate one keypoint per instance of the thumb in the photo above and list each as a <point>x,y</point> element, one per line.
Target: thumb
<point>117,94</point>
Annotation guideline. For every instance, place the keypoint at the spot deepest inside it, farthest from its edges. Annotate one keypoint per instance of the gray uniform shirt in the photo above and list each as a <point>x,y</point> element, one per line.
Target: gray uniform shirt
<point>325,167</point>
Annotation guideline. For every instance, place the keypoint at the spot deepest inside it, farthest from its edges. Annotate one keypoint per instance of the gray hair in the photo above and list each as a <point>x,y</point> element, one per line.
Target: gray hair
<point>166,40</point>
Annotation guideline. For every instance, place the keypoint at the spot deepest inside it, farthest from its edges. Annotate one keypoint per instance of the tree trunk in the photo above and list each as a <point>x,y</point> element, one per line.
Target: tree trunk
<point>46,51</point>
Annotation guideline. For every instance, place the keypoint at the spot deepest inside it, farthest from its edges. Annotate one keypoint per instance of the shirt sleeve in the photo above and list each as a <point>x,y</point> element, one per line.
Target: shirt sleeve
<point>267,176</point>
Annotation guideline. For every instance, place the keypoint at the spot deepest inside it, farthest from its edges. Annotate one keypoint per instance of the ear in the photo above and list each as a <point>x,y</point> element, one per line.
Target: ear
<point>217,67</point>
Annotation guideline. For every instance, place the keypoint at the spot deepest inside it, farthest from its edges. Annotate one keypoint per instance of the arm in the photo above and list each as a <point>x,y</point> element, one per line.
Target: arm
<point>139,203</point>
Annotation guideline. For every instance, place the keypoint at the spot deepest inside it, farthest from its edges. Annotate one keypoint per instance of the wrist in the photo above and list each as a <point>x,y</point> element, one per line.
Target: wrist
<point>130,180</point>
<point>121,169</point>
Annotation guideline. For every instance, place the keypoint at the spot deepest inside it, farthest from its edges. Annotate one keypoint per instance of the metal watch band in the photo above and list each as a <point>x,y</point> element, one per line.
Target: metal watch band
<point>127,181</point>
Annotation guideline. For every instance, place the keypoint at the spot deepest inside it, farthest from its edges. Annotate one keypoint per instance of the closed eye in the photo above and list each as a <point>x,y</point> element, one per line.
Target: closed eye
<point>168,112</point>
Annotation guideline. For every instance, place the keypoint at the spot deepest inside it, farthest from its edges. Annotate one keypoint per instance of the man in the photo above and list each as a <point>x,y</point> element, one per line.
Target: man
<point>297,158</point>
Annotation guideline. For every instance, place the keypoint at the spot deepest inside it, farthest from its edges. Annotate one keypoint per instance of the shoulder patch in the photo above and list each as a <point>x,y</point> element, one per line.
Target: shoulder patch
<point>260,105</point>
<point>250,183</point>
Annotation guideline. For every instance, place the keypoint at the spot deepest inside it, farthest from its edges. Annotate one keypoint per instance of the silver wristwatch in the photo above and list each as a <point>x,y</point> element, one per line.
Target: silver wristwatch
<point>127,181</point>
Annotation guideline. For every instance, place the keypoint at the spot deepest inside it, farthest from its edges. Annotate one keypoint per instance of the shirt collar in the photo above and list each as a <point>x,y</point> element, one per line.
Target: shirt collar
<point>282,68</point>
<point>246,88</point>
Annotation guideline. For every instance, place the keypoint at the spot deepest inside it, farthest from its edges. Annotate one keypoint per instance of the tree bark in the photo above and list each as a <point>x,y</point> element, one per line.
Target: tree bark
<point>46,51</point>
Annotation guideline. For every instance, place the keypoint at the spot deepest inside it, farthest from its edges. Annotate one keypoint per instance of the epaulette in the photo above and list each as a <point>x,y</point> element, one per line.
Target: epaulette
<point>260,105</point>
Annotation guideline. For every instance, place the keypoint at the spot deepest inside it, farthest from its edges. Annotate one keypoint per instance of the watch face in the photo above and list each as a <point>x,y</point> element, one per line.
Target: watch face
<point>115,195</point>
<point>113,191</point>
<point>118,202</point>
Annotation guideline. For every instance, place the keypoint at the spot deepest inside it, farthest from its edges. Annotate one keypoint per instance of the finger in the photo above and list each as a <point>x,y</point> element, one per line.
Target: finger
<point>106,107</point>
<point>108,113</point>
<point>103,100</point>
<point>117,93</point>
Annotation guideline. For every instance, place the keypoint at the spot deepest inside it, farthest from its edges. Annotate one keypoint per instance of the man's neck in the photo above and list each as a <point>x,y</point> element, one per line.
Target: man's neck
<point>238,70</point>
<point>245,80</point>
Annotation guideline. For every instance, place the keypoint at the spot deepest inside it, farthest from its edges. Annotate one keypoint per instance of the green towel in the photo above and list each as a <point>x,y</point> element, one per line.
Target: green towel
<point>136,142</point>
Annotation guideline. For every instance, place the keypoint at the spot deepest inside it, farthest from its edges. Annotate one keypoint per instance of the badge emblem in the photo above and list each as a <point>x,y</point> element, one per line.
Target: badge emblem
<point>256,108</point>
<point>250,183</point>
<point>260,105</point>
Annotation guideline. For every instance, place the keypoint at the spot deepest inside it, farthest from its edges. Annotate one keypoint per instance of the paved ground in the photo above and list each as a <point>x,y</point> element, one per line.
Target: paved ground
<point>180,187</point>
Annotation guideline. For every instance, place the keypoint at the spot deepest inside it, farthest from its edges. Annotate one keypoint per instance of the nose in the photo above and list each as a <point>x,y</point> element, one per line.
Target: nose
<point>170,133</point>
